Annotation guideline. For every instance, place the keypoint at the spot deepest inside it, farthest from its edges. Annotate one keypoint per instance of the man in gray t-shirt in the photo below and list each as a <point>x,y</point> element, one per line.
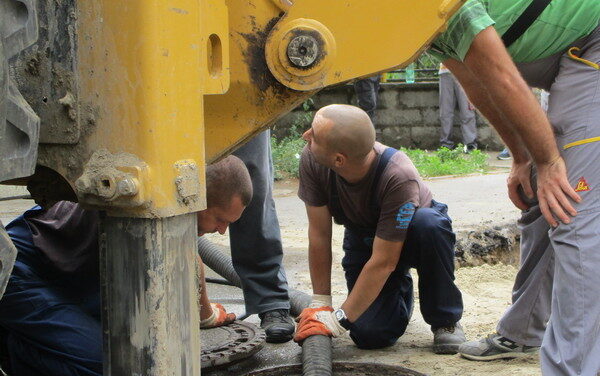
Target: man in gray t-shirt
<point>392,224</point>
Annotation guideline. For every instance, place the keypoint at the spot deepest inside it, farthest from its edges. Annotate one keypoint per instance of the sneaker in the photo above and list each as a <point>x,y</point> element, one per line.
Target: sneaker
<point>470,147</point>
<point>504,155</point>
<point>494,346</point>
<point>278,325</point>
<point>447,339</point>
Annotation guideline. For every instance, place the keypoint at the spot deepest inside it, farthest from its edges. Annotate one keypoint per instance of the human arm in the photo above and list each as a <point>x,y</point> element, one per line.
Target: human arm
<point>316,319</point>
<point>372,278</point>
<point>321,320</point>
<point>211,314</point>
<point>479,96</point>
<point>319,248</point>
<point>490,65</point>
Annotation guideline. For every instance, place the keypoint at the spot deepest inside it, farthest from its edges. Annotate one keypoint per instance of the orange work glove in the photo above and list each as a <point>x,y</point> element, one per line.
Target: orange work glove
<point>317,321</point>
<point>219,317</point>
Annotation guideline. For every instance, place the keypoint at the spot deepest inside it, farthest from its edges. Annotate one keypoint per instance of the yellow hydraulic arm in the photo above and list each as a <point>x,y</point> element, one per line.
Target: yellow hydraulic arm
<point>320,43</point>
<point>315,43</point>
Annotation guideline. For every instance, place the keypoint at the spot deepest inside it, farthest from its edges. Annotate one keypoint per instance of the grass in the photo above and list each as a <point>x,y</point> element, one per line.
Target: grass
<point>447,162</point>
<point>286,157</point>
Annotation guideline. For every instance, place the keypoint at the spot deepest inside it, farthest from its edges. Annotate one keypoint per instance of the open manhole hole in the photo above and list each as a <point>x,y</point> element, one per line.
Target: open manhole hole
<point>228,344</point>
<point>342,369</point>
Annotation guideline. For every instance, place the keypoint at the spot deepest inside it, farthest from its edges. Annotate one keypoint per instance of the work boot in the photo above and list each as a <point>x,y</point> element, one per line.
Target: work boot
<point>468,148</point>
<point>446,339</point>
<point>494,346</point>
<point>278,325</point>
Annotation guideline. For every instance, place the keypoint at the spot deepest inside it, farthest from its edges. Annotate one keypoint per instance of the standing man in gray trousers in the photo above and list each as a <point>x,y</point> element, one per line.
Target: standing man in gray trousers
<point>451,96</point>
<point>554,45</point>
<point>256,248</point>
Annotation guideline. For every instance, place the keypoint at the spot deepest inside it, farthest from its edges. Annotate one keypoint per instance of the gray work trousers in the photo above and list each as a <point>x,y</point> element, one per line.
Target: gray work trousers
<point>525,320</point>
<point>452,95</point>
<point>255,238</point>
<point>564,260</point>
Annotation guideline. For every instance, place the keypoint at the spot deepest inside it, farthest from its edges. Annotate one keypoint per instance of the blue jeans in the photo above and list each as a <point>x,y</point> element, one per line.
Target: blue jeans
<point>52,318</point>
<point>429,248</point>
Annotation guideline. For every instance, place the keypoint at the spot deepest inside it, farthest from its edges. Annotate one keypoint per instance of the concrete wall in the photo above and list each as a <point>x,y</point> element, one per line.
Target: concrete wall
<point>407,115</point>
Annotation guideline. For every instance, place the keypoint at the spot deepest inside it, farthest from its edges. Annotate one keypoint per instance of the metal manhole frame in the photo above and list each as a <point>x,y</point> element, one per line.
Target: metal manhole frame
<point>233,350</point>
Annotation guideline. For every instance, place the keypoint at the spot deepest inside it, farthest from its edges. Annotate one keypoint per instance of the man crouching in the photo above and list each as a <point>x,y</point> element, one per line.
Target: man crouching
<point>391,225</point>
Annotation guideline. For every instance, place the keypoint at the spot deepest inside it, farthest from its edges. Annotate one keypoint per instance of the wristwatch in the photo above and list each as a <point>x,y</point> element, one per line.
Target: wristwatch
<point>340,316</point>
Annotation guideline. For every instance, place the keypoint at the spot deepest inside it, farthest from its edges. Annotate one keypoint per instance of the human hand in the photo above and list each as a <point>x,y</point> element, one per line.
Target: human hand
<point>554,192</point>
<point>520,176</point>
<point>219,317</point>
<point>320,301</point>
<point>317,321</point>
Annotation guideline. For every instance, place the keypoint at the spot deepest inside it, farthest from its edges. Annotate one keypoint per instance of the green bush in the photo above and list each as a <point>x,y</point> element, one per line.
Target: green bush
<point>286,153</point>
<point>447,162</point>
<point>286,157</point>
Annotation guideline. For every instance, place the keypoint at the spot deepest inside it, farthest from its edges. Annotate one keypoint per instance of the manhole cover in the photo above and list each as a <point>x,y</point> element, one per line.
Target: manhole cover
<point>231,343</point>
<point>342,369</point>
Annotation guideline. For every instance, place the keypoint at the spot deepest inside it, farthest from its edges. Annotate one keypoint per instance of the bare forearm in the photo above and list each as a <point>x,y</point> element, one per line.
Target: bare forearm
<point>526,116</point>
<point>368,286</point>
<point>205,310</point>
<point>319,260</point>
<point>482,100</point>
<point>490,63</point>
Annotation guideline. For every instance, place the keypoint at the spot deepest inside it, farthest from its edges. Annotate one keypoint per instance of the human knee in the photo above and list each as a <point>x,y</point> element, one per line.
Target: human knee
<point>375,337</point>
<point>29,360</point>
<point>429,221</point>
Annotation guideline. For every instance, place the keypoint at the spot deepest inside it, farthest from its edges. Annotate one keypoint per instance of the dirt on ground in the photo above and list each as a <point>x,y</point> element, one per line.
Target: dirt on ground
<point>486,293</point>
<point>486,288</point>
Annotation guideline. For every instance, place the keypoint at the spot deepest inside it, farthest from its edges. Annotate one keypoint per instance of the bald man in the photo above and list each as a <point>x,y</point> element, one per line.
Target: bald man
<point>392,224</point>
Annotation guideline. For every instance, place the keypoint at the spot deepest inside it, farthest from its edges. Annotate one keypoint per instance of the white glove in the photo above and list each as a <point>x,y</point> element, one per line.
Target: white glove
<point>218,317</point>
<point>328,318</point>
<point>320,301</point>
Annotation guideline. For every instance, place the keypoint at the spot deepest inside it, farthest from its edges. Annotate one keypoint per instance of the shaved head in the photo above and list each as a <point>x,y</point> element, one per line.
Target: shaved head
<point>346,129</point>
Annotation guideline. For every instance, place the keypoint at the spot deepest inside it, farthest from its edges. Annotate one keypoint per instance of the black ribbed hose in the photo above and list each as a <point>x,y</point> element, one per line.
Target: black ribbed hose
<point>316,356</point>
<point>316,350</point>
<point>218,261</point>
<point>222,265</point>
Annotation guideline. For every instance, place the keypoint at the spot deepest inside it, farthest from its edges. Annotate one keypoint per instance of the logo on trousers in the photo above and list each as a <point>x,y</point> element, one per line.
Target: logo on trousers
<point>582,185</point>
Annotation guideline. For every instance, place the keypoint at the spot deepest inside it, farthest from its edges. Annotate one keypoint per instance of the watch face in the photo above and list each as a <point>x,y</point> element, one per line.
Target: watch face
<point>339,314</point>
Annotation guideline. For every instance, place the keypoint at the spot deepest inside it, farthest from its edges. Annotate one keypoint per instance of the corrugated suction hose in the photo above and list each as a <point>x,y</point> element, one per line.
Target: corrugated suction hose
<point>316,350</point>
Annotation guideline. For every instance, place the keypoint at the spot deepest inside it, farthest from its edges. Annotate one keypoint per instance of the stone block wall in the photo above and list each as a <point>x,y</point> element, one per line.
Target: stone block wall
<point>407,115</point>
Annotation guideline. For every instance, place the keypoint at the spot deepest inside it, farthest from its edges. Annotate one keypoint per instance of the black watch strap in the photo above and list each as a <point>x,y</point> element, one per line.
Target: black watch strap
<point>345,324</point>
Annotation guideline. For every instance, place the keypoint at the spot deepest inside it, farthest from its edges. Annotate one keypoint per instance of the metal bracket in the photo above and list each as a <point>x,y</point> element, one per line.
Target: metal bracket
<point>112,180</point>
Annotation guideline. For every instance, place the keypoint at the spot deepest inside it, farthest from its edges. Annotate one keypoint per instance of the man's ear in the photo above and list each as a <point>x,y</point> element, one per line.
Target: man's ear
<point>340,160</point>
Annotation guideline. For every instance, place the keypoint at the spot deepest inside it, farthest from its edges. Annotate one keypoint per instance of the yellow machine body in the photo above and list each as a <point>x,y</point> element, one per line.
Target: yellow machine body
<point>164,87</point>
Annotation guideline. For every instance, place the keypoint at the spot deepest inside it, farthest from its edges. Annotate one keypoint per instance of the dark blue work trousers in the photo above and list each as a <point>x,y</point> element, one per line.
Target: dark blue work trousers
<point>52,318</point>
<point>429,248</point>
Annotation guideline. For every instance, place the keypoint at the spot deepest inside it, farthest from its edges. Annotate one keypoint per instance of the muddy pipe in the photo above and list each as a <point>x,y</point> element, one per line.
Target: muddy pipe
<point>316,350</point>
<point>223,266</point>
